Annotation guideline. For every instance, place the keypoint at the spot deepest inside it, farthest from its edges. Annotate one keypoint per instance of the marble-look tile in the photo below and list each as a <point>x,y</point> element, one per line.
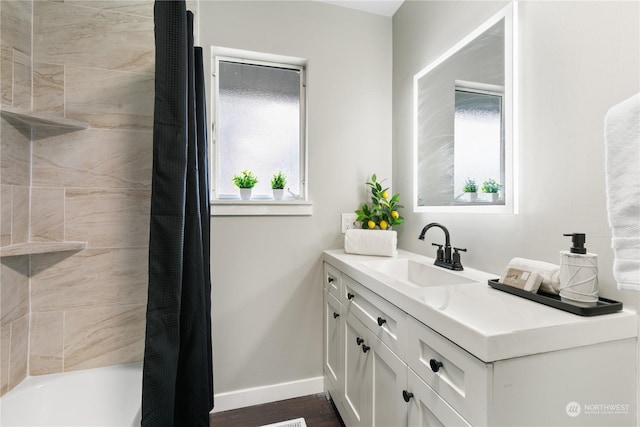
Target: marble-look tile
<point>21,80</point>
<point>15,25</point>
<point>5,215</point>
<point>91,278</point>
<point>15,162</point>
<point>6,75</point>
<point>71,35</point>
<point>19,352</point>
<point>46,343</point>
<point>47,214</point>
<point>48,88</point>
<point>104,336</point>
<point>106,218</point>
<point>14,292</point>
<point>110,99</point>
<point>99,158</point>
<point>19,214</point>
<point>133,7</point>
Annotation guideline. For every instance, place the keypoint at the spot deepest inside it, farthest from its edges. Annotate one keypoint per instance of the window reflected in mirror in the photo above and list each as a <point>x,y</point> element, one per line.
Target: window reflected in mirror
<point>478,148</point>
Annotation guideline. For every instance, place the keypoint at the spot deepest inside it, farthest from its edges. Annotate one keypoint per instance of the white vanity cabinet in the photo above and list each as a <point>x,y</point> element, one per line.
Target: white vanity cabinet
<point>365,378</point>
<point>386,366</point>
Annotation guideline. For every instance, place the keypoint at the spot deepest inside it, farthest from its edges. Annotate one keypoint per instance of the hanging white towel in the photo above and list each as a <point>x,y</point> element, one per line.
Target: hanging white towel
<point>622,141</point>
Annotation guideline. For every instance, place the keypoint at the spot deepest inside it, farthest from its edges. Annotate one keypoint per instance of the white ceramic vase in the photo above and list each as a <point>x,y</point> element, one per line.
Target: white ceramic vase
<point>278,193</point>
<point>245,193</point>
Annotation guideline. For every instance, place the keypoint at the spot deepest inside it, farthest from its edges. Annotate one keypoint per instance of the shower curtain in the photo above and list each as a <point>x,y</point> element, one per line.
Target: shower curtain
<point>177,384</point>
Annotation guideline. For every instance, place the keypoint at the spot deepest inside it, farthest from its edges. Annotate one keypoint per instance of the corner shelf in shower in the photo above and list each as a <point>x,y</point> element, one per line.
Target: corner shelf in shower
<point>32,248</point>
<point>36,119</point>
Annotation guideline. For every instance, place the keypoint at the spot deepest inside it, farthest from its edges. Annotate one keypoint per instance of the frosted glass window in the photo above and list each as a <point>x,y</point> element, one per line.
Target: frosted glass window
<point>259,119</point>
<point>478,140</point>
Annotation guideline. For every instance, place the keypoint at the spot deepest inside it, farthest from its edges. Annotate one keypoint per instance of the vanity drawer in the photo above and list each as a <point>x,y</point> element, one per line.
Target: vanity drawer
<point>462,380</point>
<point>383,319</point>
<point>332,280</point>
<point>427,408</point>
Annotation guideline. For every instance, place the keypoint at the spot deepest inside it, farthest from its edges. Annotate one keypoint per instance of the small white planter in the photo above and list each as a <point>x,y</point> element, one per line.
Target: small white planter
<point>473,196</point>
<point>278,193</point>
<point>494,197</point>
<point>245,193</point>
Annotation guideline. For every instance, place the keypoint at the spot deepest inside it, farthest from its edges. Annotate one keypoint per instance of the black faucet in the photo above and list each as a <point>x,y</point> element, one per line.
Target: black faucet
<point>444,258</point>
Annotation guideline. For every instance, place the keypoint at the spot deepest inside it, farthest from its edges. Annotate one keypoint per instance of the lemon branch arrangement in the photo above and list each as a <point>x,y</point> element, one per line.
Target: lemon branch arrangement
<point>383,211</point>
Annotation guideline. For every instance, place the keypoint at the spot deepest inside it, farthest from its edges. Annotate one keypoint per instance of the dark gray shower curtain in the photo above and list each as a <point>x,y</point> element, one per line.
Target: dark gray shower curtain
<point>177,384</point>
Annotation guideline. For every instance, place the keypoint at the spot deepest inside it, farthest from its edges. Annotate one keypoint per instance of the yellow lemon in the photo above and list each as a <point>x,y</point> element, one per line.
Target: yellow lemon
<point>395,214</point>
<point>383,225</point>
<point>371,224</point>
<point>385,195</point>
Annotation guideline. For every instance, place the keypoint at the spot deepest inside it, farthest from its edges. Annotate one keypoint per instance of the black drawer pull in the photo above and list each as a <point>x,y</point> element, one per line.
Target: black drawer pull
<point>406,395</point>
<point>330,279</point>
<point>435,365</point>
<point>381,321</point>
<point>335,315</point>
<point>359,340</point>
<point>350,296</point>
<point>365,348</point>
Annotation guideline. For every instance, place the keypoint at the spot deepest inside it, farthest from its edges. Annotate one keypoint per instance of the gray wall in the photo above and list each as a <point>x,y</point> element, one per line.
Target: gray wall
<point>577,59</point>
<point>266,271</point>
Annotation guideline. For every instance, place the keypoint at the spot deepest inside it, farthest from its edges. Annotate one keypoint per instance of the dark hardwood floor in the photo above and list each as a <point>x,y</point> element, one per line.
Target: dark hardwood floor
<point>316,410</point>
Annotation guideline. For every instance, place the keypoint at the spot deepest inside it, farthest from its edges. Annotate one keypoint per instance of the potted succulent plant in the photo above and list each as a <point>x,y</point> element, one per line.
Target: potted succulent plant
<point>278,181</point>
<point>471,188</point>
<point>383,211</point>
<point>491,187</point>
<point>245,182</point>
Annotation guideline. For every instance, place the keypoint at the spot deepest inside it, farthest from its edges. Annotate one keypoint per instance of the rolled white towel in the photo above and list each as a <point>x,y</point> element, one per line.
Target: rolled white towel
<point>371,242</point>
<point>550,273</point>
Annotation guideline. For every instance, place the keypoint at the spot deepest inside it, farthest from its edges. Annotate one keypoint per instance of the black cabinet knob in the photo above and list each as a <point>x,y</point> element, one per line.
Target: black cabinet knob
<point>336,315</point>
<point>365,348</point>
<point>406,395</point>
<point>350,296</point>
<point>359,340</point>
<point>330,279</point>
<point>435,365</point>
<point>381,321</point>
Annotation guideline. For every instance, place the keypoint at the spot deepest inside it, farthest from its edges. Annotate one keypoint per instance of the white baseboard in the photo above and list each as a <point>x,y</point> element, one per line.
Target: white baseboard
<point>265,394</point>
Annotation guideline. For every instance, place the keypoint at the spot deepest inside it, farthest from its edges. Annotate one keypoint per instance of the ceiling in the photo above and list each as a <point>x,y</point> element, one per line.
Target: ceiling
<point>379,7</point>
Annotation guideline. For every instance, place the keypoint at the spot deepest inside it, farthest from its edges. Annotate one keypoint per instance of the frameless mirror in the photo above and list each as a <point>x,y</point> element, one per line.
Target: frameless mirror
<point>464,123</point>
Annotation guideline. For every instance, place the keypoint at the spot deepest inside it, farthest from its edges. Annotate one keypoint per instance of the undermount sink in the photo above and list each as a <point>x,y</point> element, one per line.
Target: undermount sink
<point>417,273</point>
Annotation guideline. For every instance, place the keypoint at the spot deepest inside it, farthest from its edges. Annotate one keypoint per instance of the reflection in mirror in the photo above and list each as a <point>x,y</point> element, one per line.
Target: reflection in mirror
<point>463,123</point>
<point>478,143</point>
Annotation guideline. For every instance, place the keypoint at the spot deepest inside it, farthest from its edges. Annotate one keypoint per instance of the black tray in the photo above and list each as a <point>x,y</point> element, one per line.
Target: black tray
<point>603,306</point>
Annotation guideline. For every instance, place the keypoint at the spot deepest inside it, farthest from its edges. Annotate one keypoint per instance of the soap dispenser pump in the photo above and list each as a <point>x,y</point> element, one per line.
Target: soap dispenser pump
<point>578,273</point>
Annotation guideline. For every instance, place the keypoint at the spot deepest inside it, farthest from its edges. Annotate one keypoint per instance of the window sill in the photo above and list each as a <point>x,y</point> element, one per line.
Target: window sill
<point>261,208</point>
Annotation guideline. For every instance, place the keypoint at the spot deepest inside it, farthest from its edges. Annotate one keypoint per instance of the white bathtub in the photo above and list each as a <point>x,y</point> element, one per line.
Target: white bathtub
<point>94,397</point>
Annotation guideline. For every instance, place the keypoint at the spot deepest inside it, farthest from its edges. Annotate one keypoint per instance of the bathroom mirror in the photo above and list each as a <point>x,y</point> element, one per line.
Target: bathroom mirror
<point>464,123</point>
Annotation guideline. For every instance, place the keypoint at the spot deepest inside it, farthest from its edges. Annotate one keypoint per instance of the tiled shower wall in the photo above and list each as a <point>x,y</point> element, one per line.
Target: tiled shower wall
<point>91,61</point>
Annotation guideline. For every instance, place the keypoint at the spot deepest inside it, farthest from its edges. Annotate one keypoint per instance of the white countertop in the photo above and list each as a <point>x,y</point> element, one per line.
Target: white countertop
<point>488,323</point>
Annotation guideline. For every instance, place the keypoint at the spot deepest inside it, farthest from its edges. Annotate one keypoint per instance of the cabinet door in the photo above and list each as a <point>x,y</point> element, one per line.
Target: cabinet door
<point>357,373</point>
<point>332,344</point>
<point>427,408</point>
<point>388,383</point>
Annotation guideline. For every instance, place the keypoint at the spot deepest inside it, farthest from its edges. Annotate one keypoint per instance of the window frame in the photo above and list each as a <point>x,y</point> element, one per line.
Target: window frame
<point>234,206</point>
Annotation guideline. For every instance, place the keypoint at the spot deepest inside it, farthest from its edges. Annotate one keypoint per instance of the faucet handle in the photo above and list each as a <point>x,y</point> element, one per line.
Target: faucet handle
<point>439,252</point>
<point>457,265</point>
